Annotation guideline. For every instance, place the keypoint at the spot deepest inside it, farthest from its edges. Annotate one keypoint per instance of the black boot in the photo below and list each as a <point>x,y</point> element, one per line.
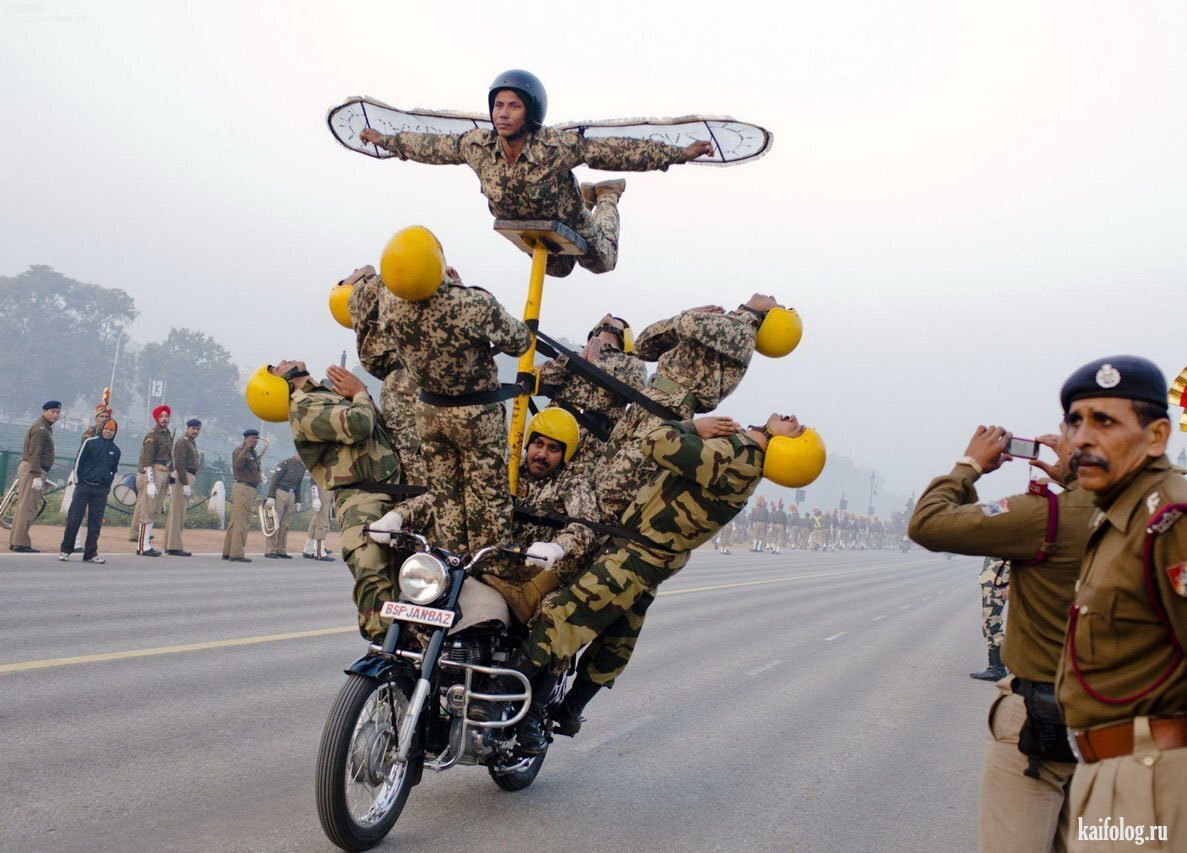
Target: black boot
<point>532,734</point>
<point>566,717</point>
<point>996,671</point>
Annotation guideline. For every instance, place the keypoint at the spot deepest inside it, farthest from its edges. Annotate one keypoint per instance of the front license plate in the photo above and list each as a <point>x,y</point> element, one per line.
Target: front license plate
<point>406,612</point>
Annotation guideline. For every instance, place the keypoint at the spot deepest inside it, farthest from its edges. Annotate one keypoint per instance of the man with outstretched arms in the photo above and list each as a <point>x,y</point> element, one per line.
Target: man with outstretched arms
<point>525,169</point>
<point>1028,765</point>
<point>152,481</point>
<point>339,438</point>
<point>1122,679</point>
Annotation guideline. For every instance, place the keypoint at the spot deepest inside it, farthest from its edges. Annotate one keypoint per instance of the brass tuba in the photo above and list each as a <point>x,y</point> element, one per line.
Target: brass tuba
<point>8,505</point>
<point>269,523</point>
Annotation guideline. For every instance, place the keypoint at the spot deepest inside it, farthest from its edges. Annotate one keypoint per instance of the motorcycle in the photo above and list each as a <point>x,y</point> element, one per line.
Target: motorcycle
<point>433,695</point>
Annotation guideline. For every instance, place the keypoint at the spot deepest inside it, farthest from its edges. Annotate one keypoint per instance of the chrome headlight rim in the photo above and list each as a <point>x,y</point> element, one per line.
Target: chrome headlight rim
<point>422,579</point>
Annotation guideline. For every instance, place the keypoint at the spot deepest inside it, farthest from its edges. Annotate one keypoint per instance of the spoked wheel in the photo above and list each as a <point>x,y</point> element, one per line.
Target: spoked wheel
<point>517,775</point>
<point>361,788</point>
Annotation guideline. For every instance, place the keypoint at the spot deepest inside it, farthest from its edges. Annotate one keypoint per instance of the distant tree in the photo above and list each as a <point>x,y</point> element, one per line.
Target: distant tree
<point>200,378</point>
<point>58,338</point>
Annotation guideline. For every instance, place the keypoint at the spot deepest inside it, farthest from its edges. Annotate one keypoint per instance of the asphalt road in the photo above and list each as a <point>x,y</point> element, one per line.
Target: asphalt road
<point>806,701</point>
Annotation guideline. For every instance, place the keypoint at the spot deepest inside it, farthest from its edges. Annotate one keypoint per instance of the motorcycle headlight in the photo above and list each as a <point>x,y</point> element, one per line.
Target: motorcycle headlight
<point>423,579</point>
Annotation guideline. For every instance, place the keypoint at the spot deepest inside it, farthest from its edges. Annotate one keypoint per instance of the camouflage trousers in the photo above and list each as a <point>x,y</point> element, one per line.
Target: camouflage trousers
<point>374,576</point>
<point>600,230</point>
<point>465,456</point>
<point>994,575</point>
<point>603,607</point>
<point>397,402</point>
<point>726,537</point>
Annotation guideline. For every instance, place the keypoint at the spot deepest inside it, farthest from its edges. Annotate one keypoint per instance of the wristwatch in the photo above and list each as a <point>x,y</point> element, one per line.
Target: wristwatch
<point>972,463</point>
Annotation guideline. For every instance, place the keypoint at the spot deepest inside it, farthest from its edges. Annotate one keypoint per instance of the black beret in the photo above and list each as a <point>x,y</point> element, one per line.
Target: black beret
<point>248,432</point>
<point>1129,377</point>
<point>52,404</point>
<point>193,422</point>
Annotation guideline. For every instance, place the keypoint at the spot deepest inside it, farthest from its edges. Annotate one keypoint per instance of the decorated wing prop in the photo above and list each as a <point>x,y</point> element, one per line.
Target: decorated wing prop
<point>1178,396</point>
<point>733,141</point>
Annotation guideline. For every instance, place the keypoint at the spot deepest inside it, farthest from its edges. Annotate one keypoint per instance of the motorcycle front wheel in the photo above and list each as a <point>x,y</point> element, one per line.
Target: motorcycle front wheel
<point>361,788</point>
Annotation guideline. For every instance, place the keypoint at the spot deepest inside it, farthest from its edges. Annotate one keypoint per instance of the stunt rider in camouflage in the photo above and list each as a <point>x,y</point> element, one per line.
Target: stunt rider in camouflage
<point>525,169</point>
<point>338,436</point>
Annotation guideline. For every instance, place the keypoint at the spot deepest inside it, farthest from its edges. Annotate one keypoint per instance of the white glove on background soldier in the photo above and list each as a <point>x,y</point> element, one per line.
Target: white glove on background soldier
<point>271,503</point>
<point>315,498</point>
<point>37,483</point>
<point>544,554</point>
<point>187,491</point>
<point>152,486</point>
<point>381,531</point>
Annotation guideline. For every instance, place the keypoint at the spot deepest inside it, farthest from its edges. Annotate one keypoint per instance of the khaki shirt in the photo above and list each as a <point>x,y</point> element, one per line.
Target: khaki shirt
<point>948,518</point>
<point>157,448</point>
<point>39,447</point>
<point>1122,648</point>
<point>185,460</point>
<point>245,465</point>
<point>288,475</point>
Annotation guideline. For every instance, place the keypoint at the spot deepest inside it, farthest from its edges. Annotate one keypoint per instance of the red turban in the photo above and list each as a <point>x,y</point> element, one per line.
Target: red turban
<point>160,410</point>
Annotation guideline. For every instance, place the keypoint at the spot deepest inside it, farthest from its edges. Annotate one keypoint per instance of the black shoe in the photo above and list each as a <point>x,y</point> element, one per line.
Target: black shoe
<point>151,552</point>
<point>531,735</point>
<point>282,556</point>
<point>177,552</point>
<point>271,556</point>
<point>566,717</point>
<point>325,559</point>
<point>990,673</point>
<point>226,556</point>
<point>308,557</point>
<point>24,549</point>
<point>239,559</point>
<point>566,721</point>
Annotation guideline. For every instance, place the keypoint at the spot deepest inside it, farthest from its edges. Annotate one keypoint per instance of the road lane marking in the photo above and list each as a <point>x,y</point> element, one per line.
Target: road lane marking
<point>170,650</point>
<point>834,636</point>
<point>878,618</point>
<point>26,666</point>
<point>761,669</point>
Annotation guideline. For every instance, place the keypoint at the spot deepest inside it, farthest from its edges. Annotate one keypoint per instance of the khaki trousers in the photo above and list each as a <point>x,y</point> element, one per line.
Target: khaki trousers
<point>242,498</point>
<point>175,520</point>
<point>149,509</point>
<point>1146,789</point>
<point>278,542</point>
<point>27,502</point>
<point>319,523</point>
<point>1016,812</point>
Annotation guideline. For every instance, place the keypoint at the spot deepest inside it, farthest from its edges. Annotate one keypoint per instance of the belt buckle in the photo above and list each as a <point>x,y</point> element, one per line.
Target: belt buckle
<point>1075,745</point>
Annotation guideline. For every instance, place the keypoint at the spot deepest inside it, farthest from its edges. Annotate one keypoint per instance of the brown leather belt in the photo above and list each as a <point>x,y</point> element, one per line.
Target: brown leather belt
<point>1116,740</point>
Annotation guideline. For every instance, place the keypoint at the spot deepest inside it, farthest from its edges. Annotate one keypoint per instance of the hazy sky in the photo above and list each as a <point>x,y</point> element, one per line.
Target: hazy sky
<point>965,201</point>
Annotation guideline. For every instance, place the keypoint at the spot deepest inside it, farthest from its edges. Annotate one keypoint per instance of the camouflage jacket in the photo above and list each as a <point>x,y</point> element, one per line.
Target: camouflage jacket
<point>157,448</point>
<point>377,351</point>
<point>704,483</point>
<point>583,395</point>
<point>540,183</point>
<point>698,354</point>
<point>567,492</point>
<point>446,340</point>
<point>340,441</point>
<point>288,475</point>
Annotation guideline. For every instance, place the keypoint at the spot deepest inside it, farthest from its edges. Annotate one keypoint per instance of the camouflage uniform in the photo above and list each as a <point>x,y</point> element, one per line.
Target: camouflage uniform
<point>577,393</point>
<point>701,358</point>
<point>342,445</point>
<point>447,342</point>
<point>709,482</point>
<point>540,183</point>
<point>567,491</point>
<point>379,357</point>
<point>995,574</point>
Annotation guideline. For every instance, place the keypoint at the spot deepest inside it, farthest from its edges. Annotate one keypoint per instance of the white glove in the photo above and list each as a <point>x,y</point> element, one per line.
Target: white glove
<point>152,489</point>
<point>544,554</point>
<point>270,503</point>
<point>316,505</point>
<point>297,506</point>
<point>187,491</point>
<point>148,475</point>
<point>38,482</point>
<point>381,531</point>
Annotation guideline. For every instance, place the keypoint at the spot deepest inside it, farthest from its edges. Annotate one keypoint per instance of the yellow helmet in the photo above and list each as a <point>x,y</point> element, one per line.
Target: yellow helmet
<point>413,263</point>
<point>628,338</point>
<point>779,333</point>
<point>794,462</point>
<point>340,304</point>
<point>557,424</point>
<point>267,396</point>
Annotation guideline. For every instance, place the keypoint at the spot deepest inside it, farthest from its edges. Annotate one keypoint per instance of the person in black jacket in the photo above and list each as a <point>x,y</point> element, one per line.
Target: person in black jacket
<point>98,460</point>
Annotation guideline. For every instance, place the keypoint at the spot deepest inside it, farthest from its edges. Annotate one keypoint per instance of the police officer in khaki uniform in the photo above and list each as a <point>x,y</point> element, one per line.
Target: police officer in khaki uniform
<point>284,488</point>
<point>245,469</point>
<point>156,455</point>
<point>36,460</point>
<point>1028,765</point>
<point>1122,679</point>
<point>185,469</point>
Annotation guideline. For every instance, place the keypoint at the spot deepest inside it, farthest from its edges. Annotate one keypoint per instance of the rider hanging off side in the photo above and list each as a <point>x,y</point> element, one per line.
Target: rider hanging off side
<point>525,169</point>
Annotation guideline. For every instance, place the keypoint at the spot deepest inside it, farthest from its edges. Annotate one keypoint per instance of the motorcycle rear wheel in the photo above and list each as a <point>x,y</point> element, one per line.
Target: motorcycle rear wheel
<point>516,777</point>
<point>361,791</point>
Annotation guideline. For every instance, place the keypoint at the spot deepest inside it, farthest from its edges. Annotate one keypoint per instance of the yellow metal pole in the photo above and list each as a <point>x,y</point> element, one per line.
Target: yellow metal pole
<point>527,361</point>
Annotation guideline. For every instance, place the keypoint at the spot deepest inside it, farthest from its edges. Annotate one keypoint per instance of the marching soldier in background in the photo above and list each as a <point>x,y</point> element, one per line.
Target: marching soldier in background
<point>156,454</point>
<point>995,584</point>
<point>1028,765</point>
<point>319,524</point>
<point>1122,681</point>
<point>610,346</point>
<point>758,524</point>
<point>447,335</point>
<point>284,489</point>
<point>245,469</point>
<point>777,528</point>
<point>37,458</point>
<point>185,469</point>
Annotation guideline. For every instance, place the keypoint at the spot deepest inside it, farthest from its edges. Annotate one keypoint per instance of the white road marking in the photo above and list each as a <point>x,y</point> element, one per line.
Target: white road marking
<point>878,618</point>
<point>760,669</point>
<point>834,636</point>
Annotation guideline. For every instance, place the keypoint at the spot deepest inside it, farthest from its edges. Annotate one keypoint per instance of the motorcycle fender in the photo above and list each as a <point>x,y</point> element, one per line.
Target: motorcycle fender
<point>381,669</point>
